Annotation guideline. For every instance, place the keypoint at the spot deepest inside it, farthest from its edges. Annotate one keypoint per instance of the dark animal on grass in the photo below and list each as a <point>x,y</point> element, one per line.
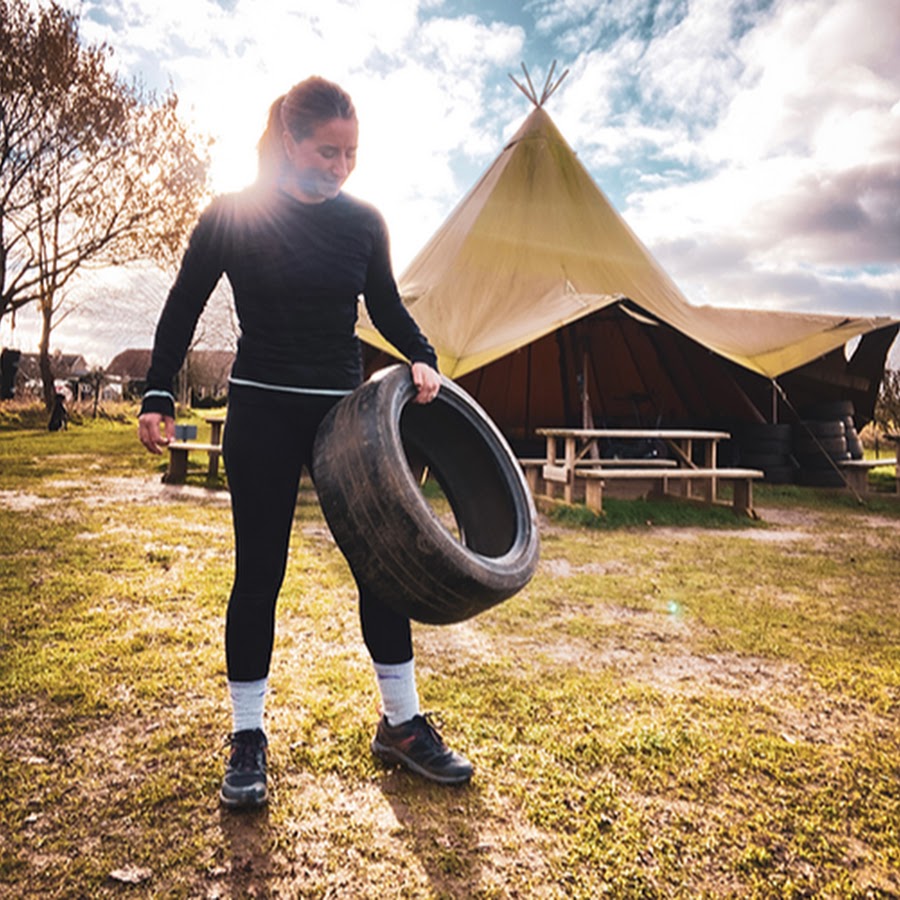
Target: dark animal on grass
<point>59,418</point>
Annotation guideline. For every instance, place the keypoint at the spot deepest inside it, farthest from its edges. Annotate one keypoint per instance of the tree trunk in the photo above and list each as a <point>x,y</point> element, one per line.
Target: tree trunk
<point>49,389</point>
<point>97,379</point>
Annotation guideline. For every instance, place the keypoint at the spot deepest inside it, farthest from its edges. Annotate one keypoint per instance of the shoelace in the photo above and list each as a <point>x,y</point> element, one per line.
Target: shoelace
<point>431,722</point>
<point>245,752</point>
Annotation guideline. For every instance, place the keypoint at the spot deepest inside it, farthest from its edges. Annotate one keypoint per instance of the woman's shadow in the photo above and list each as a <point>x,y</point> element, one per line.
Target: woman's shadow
<point>440,825</point>
<point>247,847</point>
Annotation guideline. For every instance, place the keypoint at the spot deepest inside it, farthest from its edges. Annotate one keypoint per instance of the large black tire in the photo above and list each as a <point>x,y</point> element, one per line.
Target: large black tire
<point>854,444</point>
<point>778,474</point>
<point>820,428</point>
<point>819,446</point>
<point>766,446</point>
<point>762,447</point>
<point>828,410</point>
<point>772,431</point>
<point>364,458</point>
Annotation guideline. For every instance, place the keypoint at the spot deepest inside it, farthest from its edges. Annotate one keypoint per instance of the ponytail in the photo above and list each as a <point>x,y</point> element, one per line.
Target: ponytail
<point>270,149</point>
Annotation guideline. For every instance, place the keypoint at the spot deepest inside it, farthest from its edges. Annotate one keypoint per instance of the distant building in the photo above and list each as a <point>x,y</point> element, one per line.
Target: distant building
<point>129,370</point>
<point>204,376</point>
<point>69,370</point>
<point>130,364</point>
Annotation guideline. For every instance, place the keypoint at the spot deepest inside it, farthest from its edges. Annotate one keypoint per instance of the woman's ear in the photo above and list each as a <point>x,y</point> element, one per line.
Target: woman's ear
<point>287,140</point>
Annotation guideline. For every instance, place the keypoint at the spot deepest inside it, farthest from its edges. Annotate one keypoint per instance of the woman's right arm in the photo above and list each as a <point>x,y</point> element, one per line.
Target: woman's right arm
<point>201,269</point>
<point>151,432</point>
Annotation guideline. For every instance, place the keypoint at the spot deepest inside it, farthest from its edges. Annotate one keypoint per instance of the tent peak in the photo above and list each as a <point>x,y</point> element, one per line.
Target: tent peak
<point>550,86</point>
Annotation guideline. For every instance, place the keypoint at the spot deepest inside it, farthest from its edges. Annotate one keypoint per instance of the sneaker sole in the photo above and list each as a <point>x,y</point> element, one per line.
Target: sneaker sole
<point>250,801</point>
<point>389,756</point>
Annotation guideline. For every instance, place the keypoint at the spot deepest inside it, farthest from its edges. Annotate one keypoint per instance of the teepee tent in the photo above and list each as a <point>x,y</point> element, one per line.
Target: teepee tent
<point>535,247</point>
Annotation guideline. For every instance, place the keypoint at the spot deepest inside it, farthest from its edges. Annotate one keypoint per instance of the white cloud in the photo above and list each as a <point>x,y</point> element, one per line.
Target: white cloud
<point>691,68</point>
<point>576,24</point>
<point>817,66</point>
<point>755,145</point>
<point>419,86</point>
<point>804,169</point>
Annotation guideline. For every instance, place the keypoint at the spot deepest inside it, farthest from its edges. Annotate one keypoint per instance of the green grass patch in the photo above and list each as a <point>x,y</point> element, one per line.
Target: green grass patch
<point>646,513</point>
<point>702,706</point>
<point>826,499</point>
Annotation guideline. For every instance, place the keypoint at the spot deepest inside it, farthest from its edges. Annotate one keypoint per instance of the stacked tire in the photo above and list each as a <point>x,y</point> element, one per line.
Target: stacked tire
<point>823,439</point>
<point>767,447</point>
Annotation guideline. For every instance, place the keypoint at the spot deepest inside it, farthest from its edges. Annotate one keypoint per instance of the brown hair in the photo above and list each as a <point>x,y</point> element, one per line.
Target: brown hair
<point>300,111</point>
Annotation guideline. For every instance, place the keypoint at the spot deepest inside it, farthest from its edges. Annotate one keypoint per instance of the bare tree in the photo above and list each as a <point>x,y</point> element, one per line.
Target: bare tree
<point>96,378</point>
<point>887,407</point>
<point>93,171</point>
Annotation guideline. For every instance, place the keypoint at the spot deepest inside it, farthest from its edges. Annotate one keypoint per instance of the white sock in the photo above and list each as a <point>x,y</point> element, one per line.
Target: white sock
<point>397,684</point>
<point>248,700</point>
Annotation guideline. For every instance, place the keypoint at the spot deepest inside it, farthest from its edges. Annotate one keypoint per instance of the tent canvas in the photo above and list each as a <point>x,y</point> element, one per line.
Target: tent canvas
<point>535,246</point>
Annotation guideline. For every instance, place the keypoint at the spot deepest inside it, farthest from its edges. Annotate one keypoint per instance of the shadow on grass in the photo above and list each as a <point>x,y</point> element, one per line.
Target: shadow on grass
<point>440,826</point>
<point>247,839</point>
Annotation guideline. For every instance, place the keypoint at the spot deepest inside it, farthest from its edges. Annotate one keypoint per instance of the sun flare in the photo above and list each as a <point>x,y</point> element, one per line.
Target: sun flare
<point>232,163</point>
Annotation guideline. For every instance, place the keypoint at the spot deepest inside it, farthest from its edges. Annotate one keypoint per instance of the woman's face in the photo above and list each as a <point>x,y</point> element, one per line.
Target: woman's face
<point>321,163</point>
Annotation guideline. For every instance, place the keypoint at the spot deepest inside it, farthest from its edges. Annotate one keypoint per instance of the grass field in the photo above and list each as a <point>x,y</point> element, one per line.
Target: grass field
<point>680,704</point>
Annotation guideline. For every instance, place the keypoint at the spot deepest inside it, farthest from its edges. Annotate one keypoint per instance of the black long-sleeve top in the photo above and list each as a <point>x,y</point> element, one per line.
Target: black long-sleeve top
<point>297,271</point>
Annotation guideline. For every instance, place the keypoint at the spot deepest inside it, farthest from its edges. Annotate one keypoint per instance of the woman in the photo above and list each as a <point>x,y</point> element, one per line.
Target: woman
<point>298,253</point>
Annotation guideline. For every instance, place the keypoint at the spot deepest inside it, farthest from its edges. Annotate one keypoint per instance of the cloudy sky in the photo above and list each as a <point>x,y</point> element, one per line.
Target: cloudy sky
<point>753,145</point>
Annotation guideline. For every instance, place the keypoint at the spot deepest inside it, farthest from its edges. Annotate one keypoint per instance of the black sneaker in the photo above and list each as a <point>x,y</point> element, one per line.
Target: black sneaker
<point>417,745</point>
<point>245,778</point>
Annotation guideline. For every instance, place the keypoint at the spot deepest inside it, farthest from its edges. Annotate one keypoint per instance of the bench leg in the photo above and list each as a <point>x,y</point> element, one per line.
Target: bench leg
<point>177,473</point>
<point>554,489</point>
<point>213,471</point>
<point>857,480</point>
<point>743,497</point>
<point>535,480</point>
<point>531,477</point>
<point>593,494</point>
<point>705,489</point>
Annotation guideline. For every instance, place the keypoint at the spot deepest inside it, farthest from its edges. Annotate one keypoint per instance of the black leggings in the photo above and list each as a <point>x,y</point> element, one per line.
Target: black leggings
<point>268,440</point>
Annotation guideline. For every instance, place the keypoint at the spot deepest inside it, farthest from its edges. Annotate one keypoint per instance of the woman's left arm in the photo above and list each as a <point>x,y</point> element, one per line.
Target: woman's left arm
<point>393,320</point>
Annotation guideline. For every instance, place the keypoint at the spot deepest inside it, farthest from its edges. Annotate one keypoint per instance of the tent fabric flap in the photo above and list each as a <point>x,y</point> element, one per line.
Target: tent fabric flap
<point>536,245</point>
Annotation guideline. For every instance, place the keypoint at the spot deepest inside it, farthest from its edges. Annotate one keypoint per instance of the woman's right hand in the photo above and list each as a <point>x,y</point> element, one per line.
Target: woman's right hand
<point>154,437</point>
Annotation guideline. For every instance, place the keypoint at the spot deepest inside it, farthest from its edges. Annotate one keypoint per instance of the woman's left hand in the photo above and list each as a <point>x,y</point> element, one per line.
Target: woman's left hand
<point>426,380</point>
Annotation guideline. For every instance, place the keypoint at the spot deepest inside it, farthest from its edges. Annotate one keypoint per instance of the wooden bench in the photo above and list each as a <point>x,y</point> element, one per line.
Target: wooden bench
<point>531,468</point>
<point>538,473</point>
<point>660,480</point>
<point>178,460</point>
<point>856,471</point>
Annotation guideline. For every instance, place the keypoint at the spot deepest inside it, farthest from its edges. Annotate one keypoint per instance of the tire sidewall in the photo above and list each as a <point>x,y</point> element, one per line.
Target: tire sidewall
<point>384,525</point>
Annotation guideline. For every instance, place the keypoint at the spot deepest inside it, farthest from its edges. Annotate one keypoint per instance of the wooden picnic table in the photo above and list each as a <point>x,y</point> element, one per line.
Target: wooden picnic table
<point>180,450</point>
<point>578,443</point>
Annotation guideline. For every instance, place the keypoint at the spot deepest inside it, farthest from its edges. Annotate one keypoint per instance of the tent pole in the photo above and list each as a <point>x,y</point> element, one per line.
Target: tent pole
<point>585,400</point>
<point>587,415</point>
<point>647,393</point>
<point>564,377</point>
<point>528,387</point>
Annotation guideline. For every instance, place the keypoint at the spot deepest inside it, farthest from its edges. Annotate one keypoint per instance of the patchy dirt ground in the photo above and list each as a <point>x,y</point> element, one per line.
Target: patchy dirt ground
<point>415,840</point>
<point>468,641</point>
